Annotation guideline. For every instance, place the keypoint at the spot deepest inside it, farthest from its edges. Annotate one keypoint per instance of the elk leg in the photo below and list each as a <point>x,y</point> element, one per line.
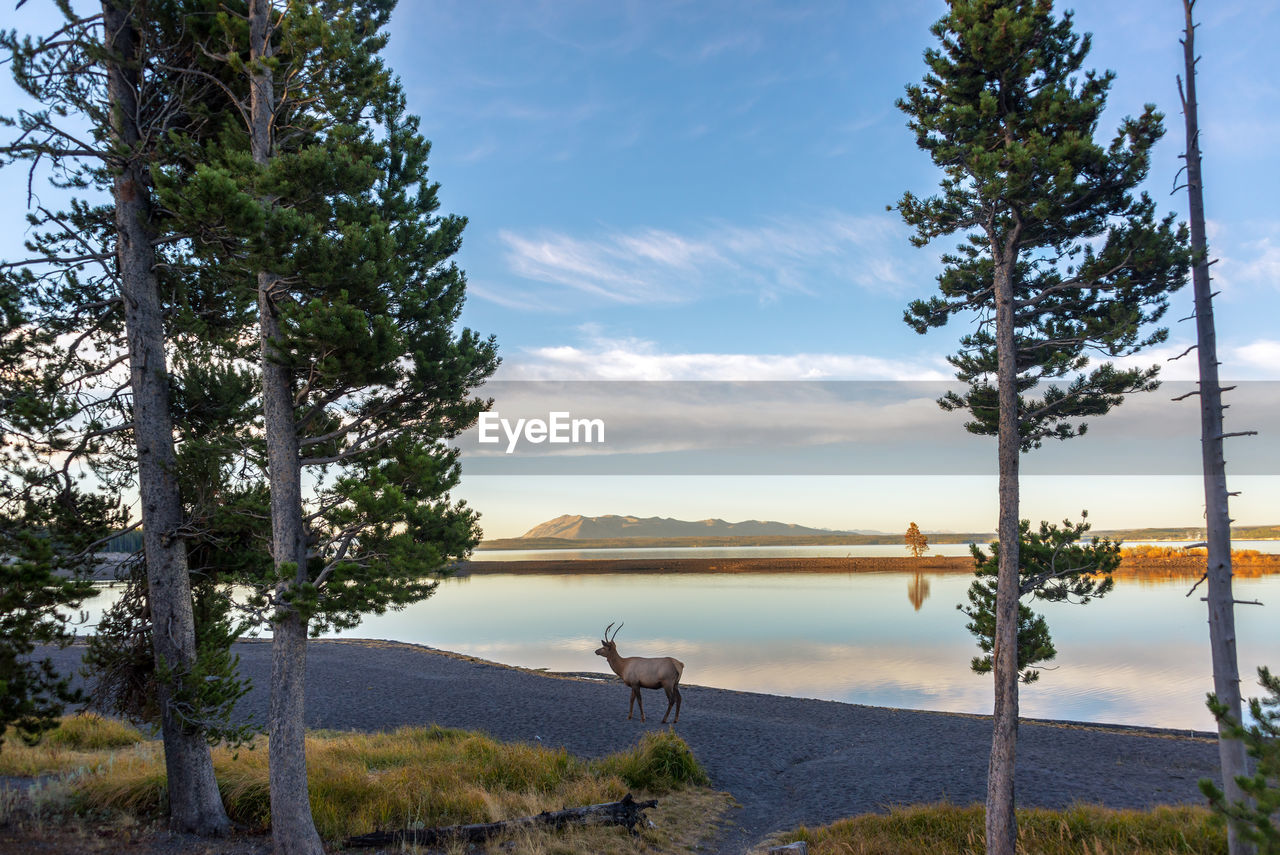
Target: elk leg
<point>635,696</point>
<point>631,707</point>
<point>673,699</point>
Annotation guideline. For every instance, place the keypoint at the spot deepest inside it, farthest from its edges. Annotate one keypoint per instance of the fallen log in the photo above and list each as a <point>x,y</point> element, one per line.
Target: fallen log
<point>628,813</point>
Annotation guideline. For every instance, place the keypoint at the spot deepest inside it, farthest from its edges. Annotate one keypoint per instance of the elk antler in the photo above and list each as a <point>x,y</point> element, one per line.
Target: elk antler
<point>616,631</point>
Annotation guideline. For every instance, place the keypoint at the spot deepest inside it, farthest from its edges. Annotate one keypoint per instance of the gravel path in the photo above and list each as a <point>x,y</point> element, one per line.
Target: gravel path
<point>786,760</point>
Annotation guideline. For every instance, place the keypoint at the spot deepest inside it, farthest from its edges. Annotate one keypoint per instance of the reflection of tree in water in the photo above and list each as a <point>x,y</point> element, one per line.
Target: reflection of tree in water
<point>918,590</point>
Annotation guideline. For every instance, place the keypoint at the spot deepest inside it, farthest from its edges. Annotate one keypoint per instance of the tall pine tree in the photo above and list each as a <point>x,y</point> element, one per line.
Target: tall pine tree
<point>315,199</point>
<point>1059,261</point>
<point>108,280</point>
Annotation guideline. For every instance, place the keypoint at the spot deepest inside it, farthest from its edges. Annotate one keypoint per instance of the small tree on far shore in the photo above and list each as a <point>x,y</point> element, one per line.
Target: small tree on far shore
<point>916,541</point>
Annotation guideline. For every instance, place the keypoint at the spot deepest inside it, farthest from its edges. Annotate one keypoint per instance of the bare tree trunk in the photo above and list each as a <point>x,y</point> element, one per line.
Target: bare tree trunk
<point>1222,629</point>
<point>293,829</point>
<point>195,804</point>
<point>1002,824</point>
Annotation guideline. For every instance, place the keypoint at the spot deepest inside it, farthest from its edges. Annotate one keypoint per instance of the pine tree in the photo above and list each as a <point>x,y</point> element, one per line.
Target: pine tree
<point>1254,813</point>
<point>1054,567</point>
<point>49,525</point>
<point>97,277</point>
<point>1058,261</point>
<point>315,200</point>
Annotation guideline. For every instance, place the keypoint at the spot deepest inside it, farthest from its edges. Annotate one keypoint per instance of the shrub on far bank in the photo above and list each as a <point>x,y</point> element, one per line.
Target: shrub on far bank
<point>1152,552</point>
<point>945,829</point>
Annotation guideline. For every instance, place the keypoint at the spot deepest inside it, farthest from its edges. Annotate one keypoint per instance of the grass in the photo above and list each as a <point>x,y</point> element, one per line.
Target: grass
<point>945,829</point>
<point>660,763</point>
<point>79,742</point>
<point>418,777</point>
<point>412,777</point>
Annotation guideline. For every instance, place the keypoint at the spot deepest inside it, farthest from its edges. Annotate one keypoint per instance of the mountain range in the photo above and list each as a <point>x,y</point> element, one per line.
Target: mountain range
<point>578,527</point>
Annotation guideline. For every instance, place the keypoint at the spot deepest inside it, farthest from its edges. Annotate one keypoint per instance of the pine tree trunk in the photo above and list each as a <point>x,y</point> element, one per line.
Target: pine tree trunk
<point>1222,630</point>
<point>195,804</point>
<point>293,829</point>
<point>1002,828</point>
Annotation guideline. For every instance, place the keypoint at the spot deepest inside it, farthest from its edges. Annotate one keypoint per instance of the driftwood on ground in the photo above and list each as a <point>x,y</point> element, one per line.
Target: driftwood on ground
<point>628,813</point>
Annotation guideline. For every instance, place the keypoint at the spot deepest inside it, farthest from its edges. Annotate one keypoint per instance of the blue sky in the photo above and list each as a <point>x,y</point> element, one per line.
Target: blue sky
<point>697,191</point>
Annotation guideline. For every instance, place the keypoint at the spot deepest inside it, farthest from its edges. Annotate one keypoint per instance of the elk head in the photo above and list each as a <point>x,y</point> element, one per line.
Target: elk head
<point>607,647</point>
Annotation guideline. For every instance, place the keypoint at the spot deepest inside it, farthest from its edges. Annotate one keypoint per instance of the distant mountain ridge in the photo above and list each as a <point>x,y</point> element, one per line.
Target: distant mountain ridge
<point>578,527</point>
<point>574,531</point>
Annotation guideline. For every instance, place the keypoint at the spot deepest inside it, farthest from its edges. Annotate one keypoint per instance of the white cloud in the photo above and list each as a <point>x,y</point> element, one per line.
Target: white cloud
<point>652,265</point>
<point>1257,360</point>
<point>1261,357</point>
<point>602,358</point>
<point>1264,267</point>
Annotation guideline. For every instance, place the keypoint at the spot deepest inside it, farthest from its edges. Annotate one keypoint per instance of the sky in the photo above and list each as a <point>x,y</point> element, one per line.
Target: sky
<point>676,197</point>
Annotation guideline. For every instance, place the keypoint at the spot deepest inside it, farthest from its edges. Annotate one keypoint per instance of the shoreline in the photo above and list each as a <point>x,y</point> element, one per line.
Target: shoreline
<point>609,678</point>
<point>786,760</point>
<point>1146,567</point>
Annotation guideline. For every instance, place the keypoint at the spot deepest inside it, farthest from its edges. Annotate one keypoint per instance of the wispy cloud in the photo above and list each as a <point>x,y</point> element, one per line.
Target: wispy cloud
<point>602,358</point>
<point>733,42</point>
<point>779,257</point>
<point>1255,360</point>
<point>1262,265</point>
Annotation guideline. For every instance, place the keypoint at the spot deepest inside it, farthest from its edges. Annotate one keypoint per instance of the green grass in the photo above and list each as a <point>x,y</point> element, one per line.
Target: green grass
<point>945,829</point>
<point>660,763</point>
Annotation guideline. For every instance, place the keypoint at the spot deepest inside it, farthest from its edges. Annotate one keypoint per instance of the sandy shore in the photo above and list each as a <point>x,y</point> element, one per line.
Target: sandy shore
<point>787,761</point>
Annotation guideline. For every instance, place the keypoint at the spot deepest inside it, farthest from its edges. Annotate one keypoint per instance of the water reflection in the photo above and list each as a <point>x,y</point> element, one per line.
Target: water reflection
<point>1139,656</point>
<point>918,590</point>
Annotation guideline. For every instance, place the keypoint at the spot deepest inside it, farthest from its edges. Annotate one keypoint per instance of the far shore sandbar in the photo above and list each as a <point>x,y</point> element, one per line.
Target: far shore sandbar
<point>1145,567</point>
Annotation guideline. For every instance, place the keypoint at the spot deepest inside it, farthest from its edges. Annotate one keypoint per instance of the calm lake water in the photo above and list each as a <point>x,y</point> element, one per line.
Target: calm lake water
<point>1140,656</point>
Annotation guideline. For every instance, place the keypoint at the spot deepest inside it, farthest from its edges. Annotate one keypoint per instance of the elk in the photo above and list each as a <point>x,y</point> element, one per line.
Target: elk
<point>640,672</point>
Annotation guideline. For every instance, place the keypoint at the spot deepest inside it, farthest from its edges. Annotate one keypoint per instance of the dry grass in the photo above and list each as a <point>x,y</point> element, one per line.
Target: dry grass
<point>79,743</point>
<point>410,778</point>
<point>945,829</point>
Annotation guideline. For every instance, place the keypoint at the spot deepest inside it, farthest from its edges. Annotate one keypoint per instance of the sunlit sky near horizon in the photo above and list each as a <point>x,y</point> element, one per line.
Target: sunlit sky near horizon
<point>670,191</point>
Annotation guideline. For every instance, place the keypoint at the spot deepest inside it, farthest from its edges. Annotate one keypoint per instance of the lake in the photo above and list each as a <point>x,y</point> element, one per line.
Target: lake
<point>1140,656</point>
